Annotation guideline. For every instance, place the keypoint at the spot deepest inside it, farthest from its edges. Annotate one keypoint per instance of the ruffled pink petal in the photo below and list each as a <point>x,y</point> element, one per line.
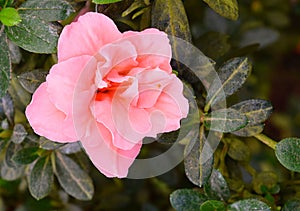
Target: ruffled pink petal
<point>46,120</point>
<point>86,36</point>
<point>62,80</point>
<point>153,48</point>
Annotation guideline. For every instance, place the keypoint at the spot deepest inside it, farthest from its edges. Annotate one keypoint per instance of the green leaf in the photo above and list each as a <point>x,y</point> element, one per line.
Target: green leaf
<point>226,8</point>
<point>7,106</point>
<point>197,164</point>
<point>266,179</point>
<point>248,204</point>
<point>32,79</point>
<point>216,187</point>
<point>20,96</point>
<point>187,199</point>
<point>293,204</point>
<point>26,155</point>
<point>5,64</point>
<point>34,34</point>
<point>72,178</point>
<point>19,134</point>
<point>232,75</point>
<point>11,150</point>
<point>9,16</point>
<point>137,4</point>
<point>48,10</point>
<point>10,173</point>
<point>41,178</point>
<point>70,148</point>
<point>238,150</point>
<point>49,145</point>
<point>249,130</point>
<point>257,111</point>
<point>288,153</point>
<point>213,205</point>
<point>225,120</point>
<point>105,1</point>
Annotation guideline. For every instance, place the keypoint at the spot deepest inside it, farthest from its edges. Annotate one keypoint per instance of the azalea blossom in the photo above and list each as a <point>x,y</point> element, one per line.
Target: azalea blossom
<point>109,90</point>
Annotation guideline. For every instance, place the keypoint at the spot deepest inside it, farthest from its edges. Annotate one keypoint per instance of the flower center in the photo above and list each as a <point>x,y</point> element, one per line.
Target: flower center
<point>107,91</point>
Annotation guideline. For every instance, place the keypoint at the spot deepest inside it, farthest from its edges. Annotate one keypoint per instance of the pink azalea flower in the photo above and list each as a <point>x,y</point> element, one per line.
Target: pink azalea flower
<point>109,90</point>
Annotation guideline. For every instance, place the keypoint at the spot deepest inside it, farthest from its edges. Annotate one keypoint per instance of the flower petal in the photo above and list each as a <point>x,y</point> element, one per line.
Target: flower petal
<point>86,36</point>
<point>46,120</point>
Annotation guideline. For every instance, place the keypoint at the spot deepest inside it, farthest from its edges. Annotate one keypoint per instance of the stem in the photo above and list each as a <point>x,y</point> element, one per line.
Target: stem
<point>266,140</point>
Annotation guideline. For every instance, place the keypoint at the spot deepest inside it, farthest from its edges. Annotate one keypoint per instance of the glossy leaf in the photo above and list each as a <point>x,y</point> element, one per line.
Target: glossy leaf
<point>291,205</point>
<point>216,187</point>
<point>19,134</point>
<point>288,153</point>
<point>34,34</point>
<point>7,106</point>
<point>187,199</point>
<point>9,16</point>
<point>41,178</point>
<point>257,111</point>
<point>105,1</point>
<point>225,120</point>
<point>249,130</point>
<point>26,155</point>
<point>72,178</point>
<point>232,75</point>
<point>213,205</point>
<point>31,80</point>
<point>5,65</point>
<point>226,8</point>
<point>238,150</point>
<point>197,164</point>
<point>48,10</point>
<point>248,204</point>
<point>70,148</point>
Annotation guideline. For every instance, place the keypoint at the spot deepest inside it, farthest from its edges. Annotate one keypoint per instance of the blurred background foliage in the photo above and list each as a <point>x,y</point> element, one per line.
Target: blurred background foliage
<point>266,31</point>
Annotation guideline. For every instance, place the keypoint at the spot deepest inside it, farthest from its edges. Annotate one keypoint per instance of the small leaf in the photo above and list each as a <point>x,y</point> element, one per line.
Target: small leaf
<point>5,65</point>
<point>226,8</point>
<point>14,52</point>
<point>187,199</point>
<point>34,34</point>
<point>26,155</point>
<point>48,10</point>
<point>225,120</point>
<point>31,80</point>
<point>9,16</point>
<point>70,148</point>
<point>257,111</point>
<point>10,151</point>
<point>288,153</point>
<point>293,204</point>
<point>232,75</point>
<point>249,130</point>
<point>10,173</point>
<point>105,1</point>
<point>197,164</point>
<point>19,134</point>
<point>72,178</point>
<point>49,145</point>
<point>41,178</point>
<point>265,179</point>
<point>7,105</point>
<point>20,96</point>
<point>216,187</point>
<point>238,150</point>
<point>213,205</point>
<point>248,204</point>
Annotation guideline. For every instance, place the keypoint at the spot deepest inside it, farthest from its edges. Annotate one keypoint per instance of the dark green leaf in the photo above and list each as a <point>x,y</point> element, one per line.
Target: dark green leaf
<point>225,120</point>
<point>288,153</point>
<point>41,178</point>
<point>31,80</point>
<point>26,155</point>
<point>34,34</point>
<point>11,173</point>
<point>70,148</point>
<point>9,16</point>
<point>7,106</point>
<point>248,204</point>
<point>216,187</point>
<point>292,205</point>
<point>249,130</point>
<point>20,96</point>
<point>257,111</point>
<point>19,134</point>
<point>5,65</point>
<point>48,10</point>
<point>187,199</point>
<point>14,52</point>
<point>49,145</point>
<point>10,151</point>
<point>265,179</point>
<point>72,178</point>
<point>198,164</point>
<point>226,8</point>
<point>105,1</point>
<point>232,75</point>
<point>213,205</point>
<point>238,150</point>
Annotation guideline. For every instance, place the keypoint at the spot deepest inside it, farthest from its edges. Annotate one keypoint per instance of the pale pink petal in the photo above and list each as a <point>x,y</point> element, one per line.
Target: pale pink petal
<point>86,36</point>
<point>46,120</point>
<point>62,80</point>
